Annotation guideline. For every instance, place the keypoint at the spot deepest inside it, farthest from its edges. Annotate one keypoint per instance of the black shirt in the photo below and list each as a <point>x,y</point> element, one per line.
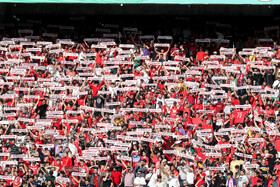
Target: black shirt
<point>99,101</point>
<point>220,181</point>
<point>242,100</point>
<point>257,77</point>
<point>273,151</point>
<point>269,78</point>
<point>107,183</point>
<point>43,109</point>
<point>131,102</point>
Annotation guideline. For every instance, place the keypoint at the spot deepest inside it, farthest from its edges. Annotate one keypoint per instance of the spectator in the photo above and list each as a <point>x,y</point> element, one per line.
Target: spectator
<point>129,177</point>
<point>173,180</point>
<point>139,180</point>
<point>231,182</point>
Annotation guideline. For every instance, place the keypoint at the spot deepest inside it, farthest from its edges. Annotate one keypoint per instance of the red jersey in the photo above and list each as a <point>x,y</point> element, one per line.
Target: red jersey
<point>200,55</point>
<point>239,116</point>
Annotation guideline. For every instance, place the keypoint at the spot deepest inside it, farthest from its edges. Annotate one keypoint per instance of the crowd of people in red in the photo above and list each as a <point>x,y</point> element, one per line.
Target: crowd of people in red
<point>138,110</point>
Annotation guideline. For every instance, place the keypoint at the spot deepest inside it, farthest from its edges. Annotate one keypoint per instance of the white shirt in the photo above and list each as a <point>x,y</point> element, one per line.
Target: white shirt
<point>50,68</point>
<point>227,109</point>
<point>276,82</point>
<point>41,179</point>
<point>182,174</point>
<point>56,74</point>
<point>219,122</point>
<point>160,184</point>
<point>28,145</point>
<point>208,176</point>
<point>80,57</point>
<point>190,177</point>
<point>1,112</point>
<point>145,75</point>
<point>242,179</point>
<point>140,180</point>
<point>72,148</point>
<point>153,178</point>
<point>112,90</point>
<point>160,100</point>
<point>20,138</point>
<point>55,173</point>
<point>173,182</point>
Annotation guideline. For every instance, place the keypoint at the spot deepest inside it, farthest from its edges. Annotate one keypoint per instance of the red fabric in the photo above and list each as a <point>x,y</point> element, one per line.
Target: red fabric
<point>95,89</point>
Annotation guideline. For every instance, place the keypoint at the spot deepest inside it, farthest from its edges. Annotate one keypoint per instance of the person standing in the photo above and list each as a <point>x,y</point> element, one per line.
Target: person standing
<point>219,180</point>
<point>151,178</point>
<point>107,180</point>
<point>274,182</point>
<point>117,177</point>
<point>95,88</point>
<point>95,179</point>
<point>159,182</point>
<point>200,55</point>
<point>231,182</point>
<point>139,180</point>
<point>242,179</point>
<point>128,177</point>
<point>173,181</point>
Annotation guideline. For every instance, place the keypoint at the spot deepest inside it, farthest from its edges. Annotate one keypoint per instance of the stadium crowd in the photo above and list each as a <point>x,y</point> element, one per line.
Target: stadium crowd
<point>133,110</point>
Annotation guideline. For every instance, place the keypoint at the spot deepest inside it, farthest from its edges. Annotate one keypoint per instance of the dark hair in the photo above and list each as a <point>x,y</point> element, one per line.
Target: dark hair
<point>230,173</point>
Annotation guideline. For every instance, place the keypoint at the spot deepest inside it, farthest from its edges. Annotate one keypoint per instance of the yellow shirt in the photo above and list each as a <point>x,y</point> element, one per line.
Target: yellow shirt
<point>182,86</point>
<point>235,163</point>
<point>118,121</point>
